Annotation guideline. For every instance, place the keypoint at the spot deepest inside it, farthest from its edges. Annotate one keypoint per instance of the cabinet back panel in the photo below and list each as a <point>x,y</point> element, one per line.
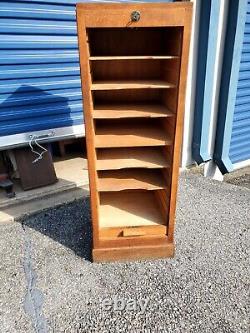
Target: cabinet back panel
<point>167,70</point>
<point>126,69</point>
<point>129,122</point>
<point>127,96</point>
<point>139,41</point>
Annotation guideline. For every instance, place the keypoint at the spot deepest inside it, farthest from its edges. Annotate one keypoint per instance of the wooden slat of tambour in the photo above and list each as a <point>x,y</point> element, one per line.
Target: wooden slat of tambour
<point>128,84</point>
<point>145,57</point>
<point>129,209</point>
<point>128,179</point>
<point>133,136</point>
<point>117,111</point>
<point>120,158</point>
<point>158,17</point>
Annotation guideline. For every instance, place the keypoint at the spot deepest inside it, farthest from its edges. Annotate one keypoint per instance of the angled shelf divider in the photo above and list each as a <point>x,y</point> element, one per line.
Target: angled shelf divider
<point>118,111</point>
<point>130,134</point>
<point>133,97</point>
<point>145,57</point>
<point>121,158</point>
<point>130,179</point>
<point>131,84</point>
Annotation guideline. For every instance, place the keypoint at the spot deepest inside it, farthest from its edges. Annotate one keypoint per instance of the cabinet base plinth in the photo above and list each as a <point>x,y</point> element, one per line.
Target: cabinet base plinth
<point>133,253</point>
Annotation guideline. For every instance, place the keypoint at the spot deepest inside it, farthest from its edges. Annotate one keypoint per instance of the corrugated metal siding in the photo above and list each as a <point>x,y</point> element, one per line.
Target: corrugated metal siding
<point>40,84</point>
<point>39,70</point>
<point>240,138</point>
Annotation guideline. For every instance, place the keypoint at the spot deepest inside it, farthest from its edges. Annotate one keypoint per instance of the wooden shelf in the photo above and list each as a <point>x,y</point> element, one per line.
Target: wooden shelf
<point>128,179</point>
<point>142,57</point>
<point>132,135</point>
<point>120,158</point>
<point>129,209</point>
<point>128,84</point>
<point>117,111</point>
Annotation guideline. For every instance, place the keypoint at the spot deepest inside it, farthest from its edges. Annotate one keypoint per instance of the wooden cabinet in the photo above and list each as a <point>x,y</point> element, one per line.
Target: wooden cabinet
<point>133,68</point>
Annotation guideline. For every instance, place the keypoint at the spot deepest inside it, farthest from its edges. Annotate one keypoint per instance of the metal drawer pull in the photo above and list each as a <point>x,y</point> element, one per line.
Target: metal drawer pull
<point>135,16</point>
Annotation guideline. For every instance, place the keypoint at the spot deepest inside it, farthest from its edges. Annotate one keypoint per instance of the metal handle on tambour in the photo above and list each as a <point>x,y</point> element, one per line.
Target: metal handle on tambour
<point>135,16</point>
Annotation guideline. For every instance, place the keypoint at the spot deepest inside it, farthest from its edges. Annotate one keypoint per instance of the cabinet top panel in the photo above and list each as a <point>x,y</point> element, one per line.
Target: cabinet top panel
<point>133,15</point>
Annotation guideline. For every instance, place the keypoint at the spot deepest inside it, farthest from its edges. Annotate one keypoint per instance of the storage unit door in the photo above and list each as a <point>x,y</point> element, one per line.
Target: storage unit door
<point>40,76</point>
<point>240,137</point>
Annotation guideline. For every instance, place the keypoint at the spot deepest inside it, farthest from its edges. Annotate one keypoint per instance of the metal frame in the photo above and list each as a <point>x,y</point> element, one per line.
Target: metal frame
<point>54,134</point>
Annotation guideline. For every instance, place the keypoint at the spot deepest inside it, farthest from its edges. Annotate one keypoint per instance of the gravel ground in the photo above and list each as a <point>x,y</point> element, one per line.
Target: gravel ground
<point>48,284</point>
<point>239,177</point>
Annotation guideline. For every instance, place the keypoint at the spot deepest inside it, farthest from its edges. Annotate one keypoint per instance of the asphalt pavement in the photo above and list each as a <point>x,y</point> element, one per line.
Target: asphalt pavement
<point>48,283</point>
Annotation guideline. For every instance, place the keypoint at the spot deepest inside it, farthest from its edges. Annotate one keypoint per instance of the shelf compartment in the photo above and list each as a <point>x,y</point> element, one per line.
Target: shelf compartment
<point>135,98</point>
<point>131,84</point>
<point>117,111</point>
<point>129,96</point>
<point>127,214</point>
<point>130,179</point>
<point>130,134</point>
<point>138,57</point>
<point>132,70</point>
<point>120,158</point>
<point>135,42</point>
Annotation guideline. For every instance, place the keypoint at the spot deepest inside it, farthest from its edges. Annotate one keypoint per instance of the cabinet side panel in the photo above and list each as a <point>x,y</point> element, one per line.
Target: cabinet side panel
<point>89,123</point>
<point>179,120</point>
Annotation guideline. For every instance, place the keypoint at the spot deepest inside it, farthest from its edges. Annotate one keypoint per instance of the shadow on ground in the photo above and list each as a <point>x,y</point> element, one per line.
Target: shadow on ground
<point>70,227</point>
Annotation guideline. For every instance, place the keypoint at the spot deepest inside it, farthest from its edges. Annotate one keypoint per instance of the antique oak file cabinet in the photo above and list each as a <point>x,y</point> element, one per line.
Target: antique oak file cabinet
<point>133,69</point>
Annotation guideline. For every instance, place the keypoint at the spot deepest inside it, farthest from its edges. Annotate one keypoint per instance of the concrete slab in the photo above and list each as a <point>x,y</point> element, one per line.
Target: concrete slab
<point>72,184</point>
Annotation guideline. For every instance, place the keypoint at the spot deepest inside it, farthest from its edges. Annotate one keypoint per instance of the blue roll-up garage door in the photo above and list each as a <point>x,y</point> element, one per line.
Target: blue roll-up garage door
<point>232,147</point>
<point>39,71</point>
<point>240,139</point>
<point>40,88</point>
